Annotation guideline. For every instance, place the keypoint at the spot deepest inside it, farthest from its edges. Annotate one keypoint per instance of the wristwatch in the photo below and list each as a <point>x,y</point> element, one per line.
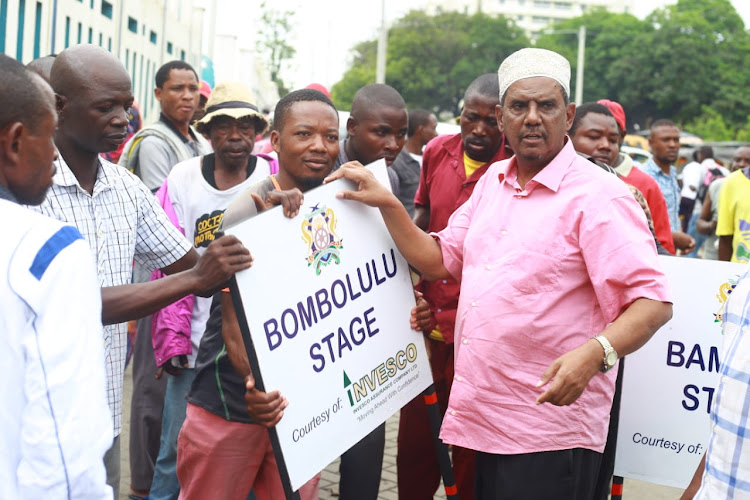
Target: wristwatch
<point>610,355</point>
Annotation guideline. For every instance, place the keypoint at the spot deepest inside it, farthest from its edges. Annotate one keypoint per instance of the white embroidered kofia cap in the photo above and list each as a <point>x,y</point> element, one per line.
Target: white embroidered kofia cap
<point>530,63</point>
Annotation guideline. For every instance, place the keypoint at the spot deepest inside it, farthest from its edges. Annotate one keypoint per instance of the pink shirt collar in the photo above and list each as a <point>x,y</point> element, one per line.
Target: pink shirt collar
<point>550,176</point>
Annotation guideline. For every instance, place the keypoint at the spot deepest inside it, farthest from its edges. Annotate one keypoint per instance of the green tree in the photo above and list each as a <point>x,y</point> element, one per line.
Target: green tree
<point>608,40</point>
<point>711,126</point>
<point>273,32</point>
<point>681,58</point>
<point>431,59</point>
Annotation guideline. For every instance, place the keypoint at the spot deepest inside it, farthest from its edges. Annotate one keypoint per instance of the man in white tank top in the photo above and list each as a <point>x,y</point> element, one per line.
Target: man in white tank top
<point>199,191</point>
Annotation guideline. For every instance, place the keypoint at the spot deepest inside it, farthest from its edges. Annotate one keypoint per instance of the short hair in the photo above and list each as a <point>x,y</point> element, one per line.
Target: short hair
<point>303,95</point>
<point>706,152</point>
<point>586,108</point>
<point>486,85</point>
<point>662,122</point>
<point>417,118</point>
<point>376,95</point>
<point>162,75</point>
<point>21,96</point>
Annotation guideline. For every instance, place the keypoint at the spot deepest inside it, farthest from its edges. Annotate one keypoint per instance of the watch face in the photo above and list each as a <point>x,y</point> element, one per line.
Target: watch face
<point>611,358</point>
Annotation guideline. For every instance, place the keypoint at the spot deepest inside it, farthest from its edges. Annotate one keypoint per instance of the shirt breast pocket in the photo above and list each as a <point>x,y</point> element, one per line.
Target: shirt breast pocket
<point>535,271</point>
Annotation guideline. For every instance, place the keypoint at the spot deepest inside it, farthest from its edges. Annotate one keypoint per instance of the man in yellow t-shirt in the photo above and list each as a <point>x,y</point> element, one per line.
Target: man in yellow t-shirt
<point>733,225</point>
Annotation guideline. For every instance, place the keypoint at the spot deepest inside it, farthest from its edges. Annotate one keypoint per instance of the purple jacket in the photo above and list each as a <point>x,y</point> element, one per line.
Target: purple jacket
<point>170,327</point>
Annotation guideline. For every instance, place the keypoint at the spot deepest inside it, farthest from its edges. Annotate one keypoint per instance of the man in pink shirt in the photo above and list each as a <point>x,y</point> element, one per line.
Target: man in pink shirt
<point>559,276</point>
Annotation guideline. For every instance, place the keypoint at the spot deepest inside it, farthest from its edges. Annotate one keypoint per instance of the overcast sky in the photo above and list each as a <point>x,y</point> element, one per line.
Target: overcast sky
<point>326,30</point>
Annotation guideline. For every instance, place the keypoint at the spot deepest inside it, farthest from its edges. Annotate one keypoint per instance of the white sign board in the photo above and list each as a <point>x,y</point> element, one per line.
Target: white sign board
<point>668,384</point>
<point>327,303</point>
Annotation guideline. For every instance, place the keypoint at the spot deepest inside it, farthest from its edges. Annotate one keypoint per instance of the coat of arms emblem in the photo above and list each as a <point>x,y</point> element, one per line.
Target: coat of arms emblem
<point>319,234</point>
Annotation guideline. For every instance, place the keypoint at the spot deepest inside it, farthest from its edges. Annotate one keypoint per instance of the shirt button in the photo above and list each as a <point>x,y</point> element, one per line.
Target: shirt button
<point>445,282</point>
<point>488,267</point>
<point>459,378</point>
<point>453,412</point>
<point>503,232</point>
<point>473,304</point>
<point>99,234</point>
<point>439,310</point>
<point>465,341</point>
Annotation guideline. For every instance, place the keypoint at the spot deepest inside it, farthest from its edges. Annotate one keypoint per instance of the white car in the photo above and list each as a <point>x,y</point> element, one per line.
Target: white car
<point>637,154</point>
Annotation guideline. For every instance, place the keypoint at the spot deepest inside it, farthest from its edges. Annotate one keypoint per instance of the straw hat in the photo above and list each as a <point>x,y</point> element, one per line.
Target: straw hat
<point>235,100</point>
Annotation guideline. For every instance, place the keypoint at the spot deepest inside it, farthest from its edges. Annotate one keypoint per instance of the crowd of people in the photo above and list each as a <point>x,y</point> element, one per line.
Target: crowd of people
<point>535,238</point>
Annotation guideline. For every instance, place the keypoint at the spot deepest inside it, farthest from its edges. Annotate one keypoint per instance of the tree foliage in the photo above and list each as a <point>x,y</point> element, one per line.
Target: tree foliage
<point>272,45</point>
<point>687,62</point>
<point>431,59</point>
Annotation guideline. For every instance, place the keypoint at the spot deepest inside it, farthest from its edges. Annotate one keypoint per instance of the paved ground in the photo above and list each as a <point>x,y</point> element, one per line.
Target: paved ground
<point>633,490</point>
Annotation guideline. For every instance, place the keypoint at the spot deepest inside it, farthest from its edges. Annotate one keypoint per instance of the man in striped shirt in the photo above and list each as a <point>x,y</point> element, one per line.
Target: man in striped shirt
<point>117,214</point>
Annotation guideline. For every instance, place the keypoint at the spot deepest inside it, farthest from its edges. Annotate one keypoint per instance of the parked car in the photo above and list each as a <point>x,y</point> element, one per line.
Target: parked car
<point>637,154</point>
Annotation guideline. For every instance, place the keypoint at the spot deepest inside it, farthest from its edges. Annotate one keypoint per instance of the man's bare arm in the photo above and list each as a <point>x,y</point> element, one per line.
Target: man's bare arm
<point>422,217</point>
<point>571,372</point>
<point>190,274</point>
<point>704,224</point>
<point>695,482</point>
<point>419,249</point>
<point>725,247</point>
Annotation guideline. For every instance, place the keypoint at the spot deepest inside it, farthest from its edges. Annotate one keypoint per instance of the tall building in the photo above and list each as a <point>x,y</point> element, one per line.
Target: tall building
<point>534,16</point>
<point>143,34</point>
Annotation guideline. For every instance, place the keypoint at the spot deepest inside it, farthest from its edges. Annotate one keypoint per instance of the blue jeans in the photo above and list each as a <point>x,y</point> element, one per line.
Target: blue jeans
<point>165,485</point>
<point>699,238</point>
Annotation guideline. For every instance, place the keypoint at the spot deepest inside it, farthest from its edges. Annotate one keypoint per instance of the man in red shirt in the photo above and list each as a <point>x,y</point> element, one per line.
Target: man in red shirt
<point>639,179</point>
<point>451,167</point>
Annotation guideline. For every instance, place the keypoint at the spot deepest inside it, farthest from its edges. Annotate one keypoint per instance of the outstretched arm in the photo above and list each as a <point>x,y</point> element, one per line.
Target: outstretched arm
<point>419,249</point>
<point>191,274</point>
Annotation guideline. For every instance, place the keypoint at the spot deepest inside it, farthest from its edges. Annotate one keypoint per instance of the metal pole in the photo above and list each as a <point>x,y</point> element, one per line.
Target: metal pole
<point>579,68</point>
<point>382,44</point>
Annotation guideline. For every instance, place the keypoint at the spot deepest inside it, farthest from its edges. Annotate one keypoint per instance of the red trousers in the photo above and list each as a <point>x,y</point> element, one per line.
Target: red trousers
<point>416,462</point>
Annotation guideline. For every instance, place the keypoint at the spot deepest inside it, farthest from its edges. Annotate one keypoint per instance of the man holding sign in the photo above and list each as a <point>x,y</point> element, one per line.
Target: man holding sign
<point>546,302</point>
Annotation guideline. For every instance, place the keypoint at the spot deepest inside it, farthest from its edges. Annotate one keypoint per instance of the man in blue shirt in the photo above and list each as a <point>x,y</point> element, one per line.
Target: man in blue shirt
<point>665,146</point>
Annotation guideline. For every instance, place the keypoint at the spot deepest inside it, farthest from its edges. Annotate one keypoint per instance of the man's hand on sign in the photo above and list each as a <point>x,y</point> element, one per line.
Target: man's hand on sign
<point>290,201</point>
<point>224,257</point>
<point>265,408</point>
<point>170,368</point>
<point>369,190</point>
<point>570,374</point>
<point>421,316</point>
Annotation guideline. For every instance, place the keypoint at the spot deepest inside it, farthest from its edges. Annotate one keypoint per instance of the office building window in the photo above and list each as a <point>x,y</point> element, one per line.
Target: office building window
<point>101,39</point>
<point>182,55</point>
<point>170,49</point>
<point>91,4</point>
<point>152,37</point>
<point>37,29</point>
<point>133,69</point>
<point>91,35</point>
<point>132,25</point>
<point>106,9</point>
<point>127,59</point>
<point>109,44</point>
<point>3,23</point>
<point>67,32</point>
<point>80,32</point>
<point>19,38</point>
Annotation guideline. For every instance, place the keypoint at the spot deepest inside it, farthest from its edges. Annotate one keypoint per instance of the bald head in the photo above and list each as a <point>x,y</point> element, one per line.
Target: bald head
<point>94,96</point>
<point>373,96</point>
<point>83,66</point>
<point>42,66</point>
